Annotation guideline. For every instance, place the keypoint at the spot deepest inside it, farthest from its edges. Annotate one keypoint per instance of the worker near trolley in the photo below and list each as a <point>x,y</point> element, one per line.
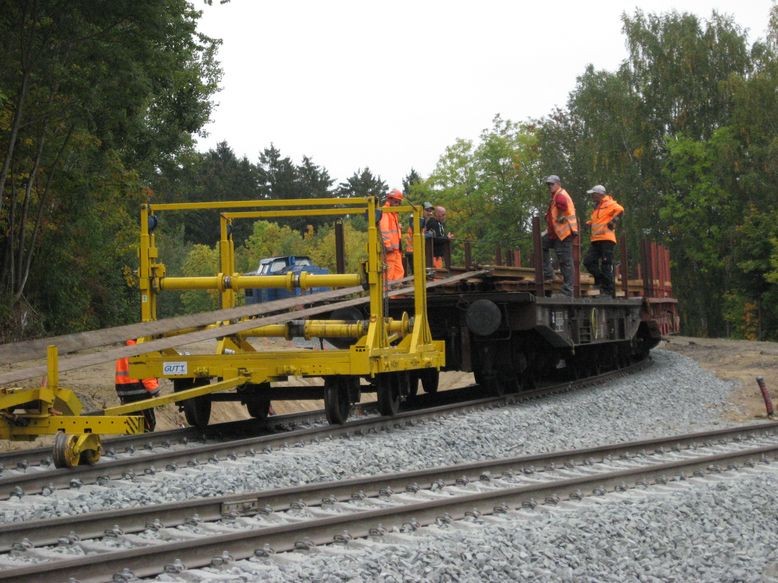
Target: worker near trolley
<point>389,225</point>
<point>408,238</point>
<point>599,258</point>
<point>562,228</point>
<point>131,389</point>
<point>436,230</point>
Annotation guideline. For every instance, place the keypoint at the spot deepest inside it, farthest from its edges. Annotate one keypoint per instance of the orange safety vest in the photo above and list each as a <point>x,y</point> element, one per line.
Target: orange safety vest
<point>567,227</point>
<point>390,230</point>
<point>122,375</point>
<point>408,240</point>
<point>604,213</point>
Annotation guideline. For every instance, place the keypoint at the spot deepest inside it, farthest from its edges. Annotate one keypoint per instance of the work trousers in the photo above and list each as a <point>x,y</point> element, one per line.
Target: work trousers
<point>599,262</point>
<point>394,266</point>
<point>564,255</point>
<point>149,418</point>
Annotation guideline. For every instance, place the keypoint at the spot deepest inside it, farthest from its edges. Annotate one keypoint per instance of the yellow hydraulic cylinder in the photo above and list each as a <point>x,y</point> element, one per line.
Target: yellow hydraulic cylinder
<point>326,329</point>
<point>288,281</point>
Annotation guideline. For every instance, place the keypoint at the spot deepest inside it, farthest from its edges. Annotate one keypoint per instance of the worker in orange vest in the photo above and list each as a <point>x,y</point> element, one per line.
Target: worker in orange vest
<point>408,238</point>
<point>131,389</point>
<point>561,229</point>
<point>599,258</point>
<point>389,225</point>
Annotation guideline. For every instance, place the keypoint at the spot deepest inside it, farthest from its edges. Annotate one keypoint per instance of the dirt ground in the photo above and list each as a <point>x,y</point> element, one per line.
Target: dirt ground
<point>738,361</point>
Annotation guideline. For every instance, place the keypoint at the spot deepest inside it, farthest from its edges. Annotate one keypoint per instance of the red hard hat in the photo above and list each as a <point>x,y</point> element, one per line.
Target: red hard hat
<point>395,193</point>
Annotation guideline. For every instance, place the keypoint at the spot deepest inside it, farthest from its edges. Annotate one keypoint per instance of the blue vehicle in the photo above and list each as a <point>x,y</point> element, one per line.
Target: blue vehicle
<point>282,266</point>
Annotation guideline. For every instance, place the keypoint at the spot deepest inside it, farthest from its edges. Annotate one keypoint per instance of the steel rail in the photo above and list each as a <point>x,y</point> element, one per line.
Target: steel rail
<point>108,469</point>
<point>44,532</point>
<point>245,543</point>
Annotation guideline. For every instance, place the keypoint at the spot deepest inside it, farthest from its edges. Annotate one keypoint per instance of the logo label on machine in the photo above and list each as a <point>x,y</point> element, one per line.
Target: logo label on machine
<point>174,368</point>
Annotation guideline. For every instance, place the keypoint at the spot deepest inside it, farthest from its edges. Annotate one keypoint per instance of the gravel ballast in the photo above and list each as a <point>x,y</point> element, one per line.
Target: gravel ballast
<point>671,396</point>
<point>712,531</point>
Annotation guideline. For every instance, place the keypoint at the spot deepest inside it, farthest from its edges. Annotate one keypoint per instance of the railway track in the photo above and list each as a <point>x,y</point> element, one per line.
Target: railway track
<point>196,533</point>
<point>151,453</point>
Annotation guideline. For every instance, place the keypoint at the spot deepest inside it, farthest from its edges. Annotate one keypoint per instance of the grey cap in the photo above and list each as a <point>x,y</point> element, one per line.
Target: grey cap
<point>428,205</point>
<point>598,189</point>
<point>553,179</point>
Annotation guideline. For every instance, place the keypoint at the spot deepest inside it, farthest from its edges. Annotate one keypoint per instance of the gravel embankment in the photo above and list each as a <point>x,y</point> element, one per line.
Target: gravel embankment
<point>672,396</point>
<point>721,529</point>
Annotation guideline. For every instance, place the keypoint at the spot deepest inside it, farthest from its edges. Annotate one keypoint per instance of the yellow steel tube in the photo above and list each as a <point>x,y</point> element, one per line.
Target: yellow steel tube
<point>242,204</point>
<point>183,283</point>
<point>288,281</point>
<point>353,210</point>
<point>324,329</point>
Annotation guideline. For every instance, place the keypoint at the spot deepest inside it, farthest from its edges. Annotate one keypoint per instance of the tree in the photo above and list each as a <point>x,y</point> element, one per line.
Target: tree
<point>362,183</point>
<point>96,95</point>
<point>491,190</point>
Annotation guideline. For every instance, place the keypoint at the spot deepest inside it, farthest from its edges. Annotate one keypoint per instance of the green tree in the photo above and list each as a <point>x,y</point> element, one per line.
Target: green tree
<point>491,190</point>
<point>362,183</point>
<point>96,95</point>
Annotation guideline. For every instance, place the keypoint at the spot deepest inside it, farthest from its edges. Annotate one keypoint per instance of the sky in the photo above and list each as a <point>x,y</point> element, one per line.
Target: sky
<point>389,85</point>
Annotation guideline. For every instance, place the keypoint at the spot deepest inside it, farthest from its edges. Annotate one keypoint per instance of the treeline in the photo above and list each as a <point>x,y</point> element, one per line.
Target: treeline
<point>100,101</point>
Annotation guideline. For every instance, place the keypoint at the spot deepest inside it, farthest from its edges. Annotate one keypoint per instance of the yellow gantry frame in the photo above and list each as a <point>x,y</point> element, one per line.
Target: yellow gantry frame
<point>381,345</point>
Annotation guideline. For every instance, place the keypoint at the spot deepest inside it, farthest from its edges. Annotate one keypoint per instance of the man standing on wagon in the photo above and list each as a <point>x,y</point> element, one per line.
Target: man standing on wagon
<point>562,227</point>
<point>599,257</point>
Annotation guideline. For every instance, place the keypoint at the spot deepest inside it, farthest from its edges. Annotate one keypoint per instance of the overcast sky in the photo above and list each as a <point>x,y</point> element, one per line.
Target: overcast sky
<point>388,85</point>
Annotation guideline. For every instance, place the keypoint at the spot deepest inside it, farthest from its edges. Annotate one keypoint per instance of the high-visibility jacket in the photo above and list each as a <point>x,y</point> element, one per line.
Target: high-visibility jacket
<point>127,385</point>
<point>390,229</point>
<point>408,240</point>
<point>569,224</point>
<point>607,210</point>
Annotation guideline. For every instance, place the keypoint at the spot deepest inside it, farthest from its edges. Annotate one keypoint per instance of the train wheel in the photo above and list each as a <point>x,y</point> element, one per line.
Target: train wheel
<point>198,410</point>
<point>336,401</point>
<point>430,379</point>
<point>89,456</point>
<point>388,394</point>
<point>257,405</point>
<point>258,408</point>
<point>65,455</point>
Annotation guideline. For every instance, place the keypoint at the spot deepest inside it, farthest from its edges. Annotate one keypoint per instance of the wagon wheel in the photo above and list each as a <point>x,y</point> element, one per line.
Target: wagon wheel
<point>257,405</point>
<point>198,410</point>
<point>336,400</point>
<point>90,456</point>
<point>65,455</point>
<point>388,385</point>
<point>258,408</point>
<point>430,378</point>
<point>490,383</point>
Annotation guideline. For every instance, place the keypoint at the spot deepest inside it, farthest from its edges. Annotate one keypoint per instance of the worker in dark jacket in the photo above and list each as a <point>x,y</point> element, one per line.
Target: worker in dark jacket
<point>408,238</point>
<point>436,230</point>
<point>131,390</point>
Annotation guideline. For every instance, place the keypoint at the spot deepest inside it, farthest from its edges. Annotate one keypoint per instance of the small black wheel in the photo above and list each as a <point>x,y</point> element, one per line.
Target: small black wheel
<point>64,451</point>
<point>430,379</point>
<point>198,410</point>
<point>336,400</point>
<point>258,408</point>
<point>388,394</point>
